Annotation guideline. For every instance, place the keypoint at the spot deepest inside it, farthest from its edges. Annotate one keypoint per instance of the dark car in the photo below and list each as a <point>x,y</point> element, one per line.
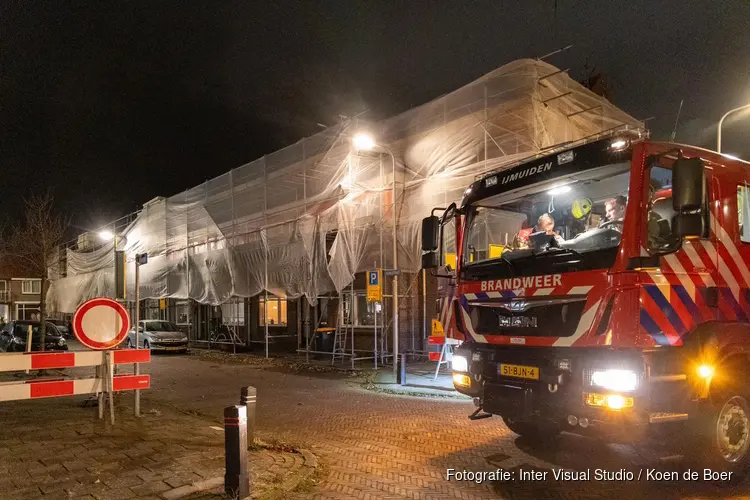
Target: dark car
<point>64,327</point>
<point>14,335</point>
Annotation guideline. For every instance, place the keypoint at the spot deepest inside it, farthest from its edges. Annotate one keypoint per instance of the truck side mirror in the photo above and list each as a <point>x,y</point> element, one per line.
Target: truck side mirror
<point>688,197</point>
<point>430,233</point>
<point>430,260</point>
<point>688,225</point>
<point>688,185</point>
<point>430,241</point>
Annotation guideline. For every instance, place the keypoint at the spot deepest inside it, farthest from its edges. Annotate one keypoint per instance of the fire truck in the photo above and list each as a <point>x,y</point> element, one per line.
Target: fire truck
<point>603,290</point>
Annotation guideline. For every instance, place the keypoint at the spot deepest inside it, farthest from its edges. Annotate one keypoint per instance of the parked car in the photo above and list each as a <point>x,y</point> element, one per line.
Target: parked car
<point>159,335</point>
<point>14,335</point>
<point>65,328</point>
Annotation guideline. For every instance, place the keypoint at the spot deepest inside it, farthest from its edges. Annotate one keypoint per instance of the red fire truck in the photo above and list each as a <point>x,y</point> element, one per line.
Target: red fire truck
<point>603,290</point>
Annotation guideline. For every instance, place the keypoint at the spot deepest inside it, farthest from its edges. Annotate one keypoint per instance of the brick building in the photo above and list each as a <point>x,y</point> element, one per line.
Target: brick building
<point>19,295</point>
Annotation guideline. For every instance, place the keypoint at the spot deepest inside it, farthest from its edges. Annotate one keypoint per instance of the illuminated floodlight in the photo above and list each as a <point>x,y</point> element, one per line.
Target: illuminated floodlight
<point>559,190</point>
<point>363,141</point>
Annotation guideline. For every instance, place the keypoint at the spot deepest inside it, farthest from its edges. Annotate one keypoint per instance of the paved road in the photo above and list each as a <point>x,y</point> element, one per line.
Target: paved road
<point>385,446</point>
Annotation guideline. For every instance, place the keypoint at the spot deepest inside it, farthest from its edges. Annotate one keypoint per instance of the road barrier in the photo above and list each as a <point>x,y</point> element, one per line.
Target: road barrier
<point>105,380</point>
<point>12,361</point>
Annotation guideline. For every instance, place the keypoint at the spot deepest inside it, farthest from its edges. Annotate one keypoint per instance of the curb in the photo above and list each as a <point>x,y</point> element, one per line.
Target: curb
<point>189,489</point>
<point>417,394</point>
<point>308,470</point>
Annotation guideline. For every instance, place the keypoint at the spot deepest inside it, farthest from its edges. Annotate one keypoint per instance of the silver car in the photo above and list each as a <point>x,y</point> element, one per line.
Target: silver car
<point>159,335</point>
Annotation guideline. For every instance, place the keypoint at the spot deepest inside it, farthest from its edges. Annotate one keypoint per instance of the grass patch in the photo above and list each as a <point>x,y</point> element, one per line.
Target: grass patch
<point>308,484</point>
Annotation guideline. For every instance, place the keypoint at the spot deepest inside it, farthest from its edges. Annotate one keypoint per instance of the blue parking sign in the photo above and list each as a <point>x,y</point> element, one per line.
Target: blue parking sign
<point>374,290</point>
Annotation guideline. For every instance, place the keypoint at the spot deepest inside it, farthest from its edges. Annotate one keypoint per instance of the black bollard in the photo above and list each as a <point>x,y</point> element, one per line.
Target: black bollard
<point>236,478</point>
<point>248,398</point>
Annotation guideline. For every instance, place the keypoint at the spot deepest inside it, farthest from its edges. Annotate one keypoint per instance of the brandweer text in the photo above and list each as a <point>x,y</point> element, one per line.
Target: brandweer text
<point>548,281</point>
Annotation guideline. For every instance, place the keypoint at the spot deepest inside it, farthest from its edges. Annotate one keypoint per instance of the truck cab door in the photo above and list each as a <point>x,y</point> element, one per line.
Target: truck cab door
<point>729,214</point>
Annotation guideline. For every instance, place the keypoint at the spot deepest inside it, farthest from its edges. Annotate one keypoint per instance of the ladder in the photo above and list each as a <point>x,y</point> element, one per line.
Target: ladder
<point>339,342</point>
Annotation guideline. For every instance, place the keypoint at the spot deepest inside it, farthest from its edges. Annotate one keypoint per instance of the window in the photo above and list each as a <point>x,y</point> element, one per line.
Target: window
<point>743,212</point>
<point>233,313</point>
<point>28,312</point>
<point>31,287</point>
<point>569,223</point>
<point>183,312</point>
<point>275,313</point>
<point>151,309</point>
<point>660,211</point>
<point>160,326</point>
<point>360,312</point>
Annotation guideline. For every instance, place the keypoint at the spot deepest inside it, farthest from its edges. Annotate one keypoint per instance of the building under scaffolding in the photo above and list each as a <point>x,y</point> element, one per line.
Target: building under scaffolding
<point>274,252</point>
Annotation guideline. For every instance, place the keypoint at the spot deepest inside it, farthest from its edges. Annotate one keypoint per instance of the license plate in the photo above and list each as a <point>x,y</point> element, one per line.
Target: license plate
<point>519,371</point>
<point>174,348</point>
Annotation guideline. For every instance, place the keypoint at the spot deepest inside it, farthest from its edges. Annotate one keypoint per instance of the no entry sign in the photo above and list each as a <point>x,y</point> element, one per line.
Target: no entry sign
<point>101,323</point>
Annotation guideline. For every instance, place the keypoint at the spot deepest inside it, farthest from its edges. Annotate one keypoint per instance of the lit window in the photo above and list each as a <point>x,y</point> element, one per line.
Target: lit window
<point>275,313</point>
<point>31,286</point>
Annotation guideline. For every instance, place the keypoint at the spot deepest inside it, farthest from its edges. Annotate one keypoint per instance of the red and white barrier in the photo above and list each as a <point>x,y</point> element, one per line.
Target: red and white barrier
<point>105,381</point>
<point>17,361</point>
<point>70,387</point>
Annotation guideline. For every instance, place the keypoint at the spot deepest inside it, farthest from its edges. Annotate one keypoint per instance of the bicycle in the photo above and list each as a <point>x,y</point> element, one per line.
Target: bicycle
<point>225,334</point>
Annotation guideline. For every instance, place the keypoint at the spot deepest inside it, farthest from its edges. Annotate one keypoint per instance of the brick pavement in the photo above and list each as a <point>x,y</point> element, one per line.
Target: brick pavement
<point>57,449</point>
<point>385,446</point>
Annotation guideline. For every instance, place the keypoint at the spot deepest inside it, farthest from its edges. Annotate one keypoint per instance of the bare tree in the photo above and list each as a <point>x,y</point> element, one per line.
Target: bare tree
<point>32,245</point>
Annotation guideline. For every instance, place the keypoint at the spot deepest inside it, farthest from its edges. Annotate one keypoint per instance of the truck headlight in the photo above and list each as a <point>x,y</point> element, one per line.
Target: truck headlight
<point>615,380</point>
<point>460,364</point>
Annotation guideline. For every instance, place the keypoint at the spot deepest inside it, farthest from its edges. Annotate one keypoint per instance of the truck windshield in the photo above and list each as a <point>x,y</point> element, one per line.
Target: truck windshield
<point>569,223</point>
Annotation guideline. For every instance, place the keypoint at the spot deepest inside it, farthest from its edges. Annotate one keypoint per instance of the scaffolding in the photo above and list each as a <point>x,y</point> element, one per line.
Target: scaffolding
<point>305,221</point>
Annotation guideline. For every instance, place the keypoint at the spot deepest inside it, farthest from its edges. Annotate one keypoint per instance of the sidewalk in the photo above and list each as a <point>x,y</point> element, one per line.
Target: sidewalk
<point>57,449</point>
<point>420,375</point>
<point>420,381</point>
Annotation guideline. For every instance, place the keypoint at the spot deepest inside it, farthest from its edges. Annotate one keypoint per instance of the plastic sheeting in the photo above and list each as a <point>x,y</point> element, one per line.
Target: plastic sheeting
<point>304,220</point>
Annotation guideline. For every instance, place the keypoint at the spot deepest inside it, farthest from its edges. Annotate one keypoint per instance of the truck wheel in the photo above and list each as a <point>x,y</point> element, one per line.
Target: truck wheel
<point>726,438</point>
<point>531,430</point>
<point>722,440</point>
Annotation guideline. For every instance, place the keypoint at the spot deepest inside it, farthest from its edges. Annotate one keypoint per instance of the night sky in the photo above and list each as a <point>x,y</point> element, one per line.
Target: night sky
<point>113,103</point>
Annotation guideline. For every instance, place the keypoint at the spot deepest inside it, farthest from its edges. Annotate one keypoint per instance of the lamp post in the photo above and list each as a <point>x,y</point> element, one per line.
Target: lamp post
<point>366,142</point>
<point>121,294</point>
<point>718,131</point>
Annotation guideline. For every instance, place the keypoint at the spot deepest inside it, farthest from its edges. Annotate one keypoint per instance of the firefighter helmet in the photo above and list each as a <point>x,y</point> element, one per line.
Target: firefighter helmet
<point>581,208</point>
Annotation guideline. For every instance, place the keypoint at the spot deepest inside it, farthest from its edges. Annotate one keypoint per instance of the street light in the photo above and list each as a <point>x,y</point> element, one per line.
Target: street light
<point>106,235</point>
<point>718,131</point>
<point>365,142</point>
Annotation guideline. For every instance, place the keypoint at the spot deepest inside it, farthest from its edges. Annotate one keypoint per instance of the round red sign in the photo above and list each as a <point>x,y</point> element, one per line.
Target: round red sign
<point>101,323</point>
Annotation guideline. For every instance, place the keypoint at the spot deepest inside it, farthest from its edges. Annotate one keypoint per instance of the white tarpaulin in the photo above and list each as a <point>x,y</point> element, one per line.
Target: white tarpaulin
<point>305,219</point>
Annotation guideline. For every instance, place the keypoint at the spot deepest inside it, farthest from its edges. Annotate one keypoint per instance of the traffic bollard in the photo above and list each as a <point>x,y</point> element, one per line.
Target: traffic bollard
<point>236,477</point>
<point>402,371</point>
<point>248,398</point>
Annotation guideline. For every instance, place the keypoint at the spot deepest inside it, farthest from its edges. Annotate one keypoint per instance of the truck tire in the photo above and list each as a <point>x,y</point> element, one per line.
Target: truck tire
<point>724,438</point>
<point>536,431</point>
<point>721,439</point>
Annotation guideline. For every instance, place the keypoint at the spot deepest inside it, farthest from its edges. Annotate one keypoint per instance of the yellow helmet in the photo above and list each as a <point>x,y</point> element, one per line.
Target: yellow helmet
<point>581,208</point>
